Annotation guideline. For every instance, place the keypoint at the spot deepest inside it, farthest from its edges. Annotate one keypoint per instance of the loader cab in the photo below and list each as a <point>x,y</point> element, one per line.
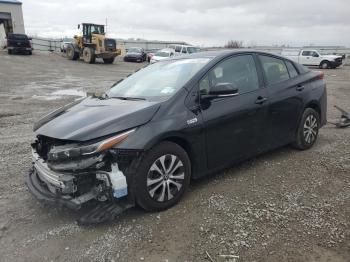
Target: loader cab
<point>89,29</point>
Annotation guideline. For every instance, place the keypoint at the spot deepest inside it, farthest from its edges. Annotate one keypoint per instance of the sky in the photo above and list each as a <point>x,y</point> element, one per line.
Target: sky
<point>202,23</point>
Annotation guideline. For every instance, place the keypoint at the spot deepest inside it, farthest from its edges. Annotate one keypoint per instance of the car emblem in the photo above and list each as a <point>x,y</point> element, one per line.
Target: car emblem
<point>192,121</point>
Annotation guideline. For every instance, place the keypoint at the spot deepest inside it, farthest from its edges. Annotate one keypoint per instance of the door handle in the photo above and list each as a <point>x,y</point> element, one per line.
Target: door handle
<point>300,88</point>
<point>260,100</point>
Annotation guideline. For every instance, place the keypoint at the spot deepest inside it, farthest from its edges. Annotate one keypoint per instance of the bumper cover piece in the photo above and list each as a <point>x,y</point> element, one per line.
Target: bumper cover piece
<point>103,212</point>
<point>39,190</point>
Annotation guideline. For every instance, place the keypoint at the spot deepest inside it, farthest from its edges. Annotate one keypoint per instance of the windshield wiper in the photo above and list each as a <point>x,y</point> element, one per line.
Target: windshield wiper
<point>128,98</point>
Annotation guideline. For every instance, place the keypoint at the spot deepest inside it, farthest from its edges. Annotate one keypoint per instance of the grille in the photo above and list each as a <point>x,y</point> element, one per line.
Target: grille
<point>110,45</point>
<point>338,59</point>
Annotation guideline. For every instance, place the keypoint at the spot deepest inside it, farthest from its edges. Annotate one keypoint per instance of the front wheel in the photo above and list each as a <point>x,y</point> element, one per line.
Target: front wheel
<point>89,55</point>
<point>71,53</point>
<point>308,130</point>
<point>9,51</point>
<point>162,177</point>
<point>324,65</point>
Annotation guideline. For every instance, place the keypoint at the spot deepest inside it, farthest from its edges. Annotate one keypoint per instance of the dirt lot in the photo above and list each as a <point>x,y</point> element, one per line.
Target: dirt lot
<point>282,206</point>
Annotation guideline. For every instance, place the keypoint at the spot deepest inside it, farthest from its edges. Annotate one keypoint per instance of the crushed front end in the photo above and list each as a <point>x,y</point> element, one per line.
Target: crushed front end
<point>73,174</point>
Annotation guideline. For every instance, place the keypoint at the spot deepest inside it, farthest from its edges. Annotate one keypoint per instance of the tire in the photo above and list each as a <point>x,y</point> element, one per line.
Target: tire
<point>108,60</point>
<point>324,65</point>
<point>89,55</point>
<point>30,52</point>
<point>71,53</point>
<point>308,130</point>
<point>9,51</point>
<point>150,183</point>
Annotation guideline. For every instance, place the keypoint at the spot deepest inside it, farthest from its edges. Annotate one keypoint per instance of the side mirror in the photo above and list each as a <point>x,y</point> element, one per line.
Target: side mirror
<point>315,55</point>
<point>221,90</point>
<point>79,26</point>
<point>30,39</point>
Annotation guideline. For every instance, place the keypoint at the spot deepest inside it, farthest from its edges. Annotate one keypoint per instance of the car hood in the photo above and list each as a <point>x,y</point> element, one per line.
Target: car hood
<point>133,54</point>
<point>331,56</point>
<point>93,118</point>
<point>159,58</point>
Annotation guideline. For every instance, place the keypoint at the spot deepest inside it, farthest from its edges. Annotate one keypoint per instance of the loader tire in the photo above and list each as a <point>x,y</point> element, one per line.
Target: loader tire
<point>71,53</point>
<point>89,55</point>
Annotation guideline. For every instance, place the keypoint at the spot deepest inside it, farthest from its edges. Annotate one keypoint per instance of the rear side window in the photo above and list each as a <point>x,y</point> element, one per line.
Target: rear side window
<point>275,69</point>
<point>291,69</point>
<point>306,53</point>
<point>240,71</point>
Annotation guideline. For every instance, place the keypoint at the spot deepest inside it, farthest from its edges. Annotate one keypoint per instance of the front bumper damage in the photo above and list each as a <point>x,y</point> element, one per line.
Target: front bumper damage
<point>87,188</point>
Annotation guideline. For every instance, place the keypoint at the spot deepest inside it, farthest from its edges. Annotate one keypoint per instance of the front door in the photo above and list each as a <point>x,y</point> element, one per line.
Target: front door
<point>233,125</point>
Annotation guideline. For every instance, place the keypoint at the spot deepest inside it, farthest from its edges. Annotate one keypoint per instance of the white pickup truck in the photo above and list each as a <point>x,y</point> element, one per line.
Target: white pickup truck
<point>313,58</point>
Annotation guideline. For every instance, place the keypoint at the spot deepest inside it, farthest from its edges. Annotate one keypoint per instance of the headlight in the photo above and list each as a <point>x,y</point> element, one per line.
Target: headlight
<point>71,151</point>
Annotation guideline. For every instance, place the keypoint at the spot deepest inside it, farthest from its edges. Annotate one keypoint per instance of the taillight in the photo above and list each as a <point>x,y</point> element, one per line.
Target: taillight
<point>321,75</point>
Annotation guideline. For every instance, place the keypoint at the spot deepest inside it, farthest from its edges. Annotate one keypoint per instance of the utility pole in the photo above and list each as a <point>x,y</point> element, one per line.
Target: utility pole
<point>106,26</point>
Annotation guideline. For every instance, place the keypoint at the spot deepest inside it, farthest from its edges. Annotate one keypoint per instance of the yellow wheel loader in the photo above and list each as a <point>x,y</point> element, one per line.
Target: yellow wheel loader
<point>93,44</point>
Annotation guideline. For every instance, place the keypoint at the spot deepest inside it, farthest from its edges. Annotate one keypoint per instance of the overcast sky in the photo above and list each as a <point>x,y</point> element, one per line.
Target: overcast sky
<point>205,22</point>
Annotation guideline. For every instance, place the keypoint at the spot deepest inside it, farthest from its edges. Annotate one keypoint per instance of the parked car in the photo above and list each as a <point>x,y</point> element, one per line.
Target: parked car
<point>64,45</point>
<point>135,54</point>
<point>162,54</point>
<point>313,58</point>
<point>170,122</point>
<point>150,53</point>
<point>19,43</point>
<point>184,49</point>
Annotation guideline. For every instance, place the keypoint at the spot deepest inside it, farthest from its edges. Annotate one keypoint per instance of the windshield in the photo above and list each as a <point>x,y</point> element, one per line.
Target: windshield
<point>162,54</point>
<point>17,36</point>
<point>192,49</point>
<point>97,29</point>
<point>158,81</point>
<point>134,50</point>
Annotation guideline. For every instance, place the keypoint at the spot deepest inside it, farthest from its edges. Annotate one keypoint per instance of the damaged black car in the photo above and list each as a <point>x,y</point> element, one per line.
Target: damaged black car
<point>176,120</point>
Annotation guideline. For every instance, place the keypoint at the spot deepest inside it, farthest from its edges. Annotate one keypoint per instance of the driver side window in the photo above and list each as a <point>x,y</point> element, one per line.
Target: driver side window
<point>240,71</point>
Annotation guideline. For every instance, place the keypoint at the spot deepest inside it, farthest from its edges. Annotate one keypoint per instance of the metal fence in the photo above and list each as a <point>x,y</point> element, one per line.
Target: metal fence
<point>43,44</point>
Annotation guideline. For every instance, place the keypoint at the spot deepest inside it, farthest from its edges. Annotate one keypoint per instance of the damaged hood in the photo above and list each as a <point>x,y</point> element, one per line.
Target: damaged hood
<point>93,118</point>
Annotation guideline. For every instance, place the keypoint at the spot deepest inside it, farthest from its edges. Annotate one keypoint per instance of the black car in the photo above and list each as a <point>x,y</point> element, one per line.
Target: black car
<point>135,54</point>
<point>19,43</point>
<point>172,121</point>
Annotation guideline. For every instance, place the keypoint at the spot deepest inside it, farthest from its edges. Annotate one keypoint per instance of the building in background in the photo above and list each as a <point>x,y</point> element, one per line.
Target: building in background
<point>11,16</point>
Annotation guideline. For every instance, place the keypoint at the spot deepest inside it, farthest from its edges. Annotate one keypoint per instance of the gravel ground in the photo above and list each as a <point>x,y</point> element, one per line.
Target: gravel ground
<point>285,205</point>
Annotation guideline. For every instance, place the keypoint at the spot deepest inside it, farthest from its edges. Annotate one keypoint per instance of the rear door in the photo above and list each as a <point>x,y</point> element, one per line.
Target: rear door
<point>234,125</point>
<point>285,90</point>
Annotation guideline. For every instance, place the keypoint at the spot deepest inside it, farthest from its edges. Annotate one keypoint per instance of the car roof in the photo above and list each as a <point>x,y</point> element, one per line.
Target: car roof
<point>224,53</point>
<point>168,50</point>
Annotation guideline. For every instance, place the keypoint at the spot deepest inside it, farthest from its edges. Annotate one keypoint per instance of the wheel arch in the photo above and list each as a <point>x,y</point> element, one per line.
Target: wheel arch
<point>180,141</point>
<point>324,60</point>
<point>314,105</point>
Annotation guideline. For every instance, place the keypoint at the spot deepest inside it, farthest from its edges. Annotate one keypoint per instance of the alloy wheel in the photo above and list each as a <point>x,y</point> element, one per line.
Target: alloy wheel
<point>310,129</point>
<point>165,178</point>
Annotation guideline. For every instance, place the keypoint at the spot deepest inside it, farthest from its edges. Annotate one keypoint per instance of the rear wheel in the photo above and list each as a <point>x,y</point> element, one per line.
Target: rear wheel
<point>9,51</point>
<point>71,54</point>
<point>108,60</point>
<point>308,130</point>
<point>324,65</point>
<point>162,177</point>
<point>89,55</point>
